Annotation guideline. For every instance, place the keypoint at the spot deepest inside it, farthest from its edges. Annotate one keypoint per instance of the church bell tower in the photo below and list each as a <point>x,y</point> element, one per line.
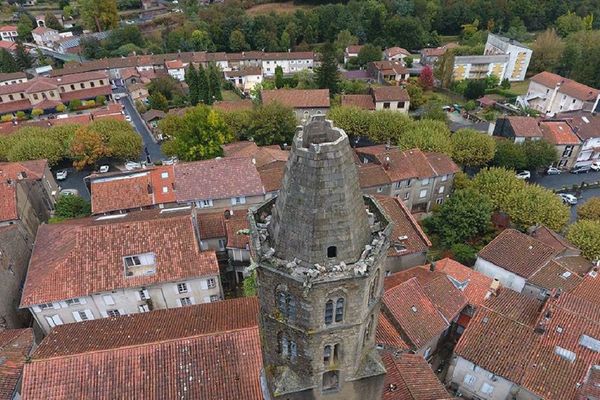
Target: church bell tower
<point>319,247</point>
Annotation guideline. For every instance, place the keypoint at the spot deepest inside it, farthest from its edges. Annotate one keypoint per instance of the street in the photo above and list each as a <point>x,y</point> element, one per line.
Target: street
<point>565,180</point>
<point>153,148</point>
<point>74,180</point>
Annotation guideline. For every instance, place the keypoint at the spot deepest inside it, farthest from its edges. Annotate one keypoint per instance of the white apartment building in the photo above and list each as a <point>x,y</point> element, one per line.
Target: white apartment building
<point>480,67</point>
<point>518,54</point>
<point>290,62</point>
<point>8,33</point>
<point>118,265</point>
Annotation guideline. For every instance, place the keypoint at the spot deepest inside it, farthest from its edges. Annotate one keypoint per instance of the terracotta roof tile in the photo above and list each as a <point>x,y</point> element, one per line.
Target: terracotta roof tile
<point>241,148</point>
<point>211,225</point>
<point>354,49</point>
<point>84,256</point>
<point>8,76</point>
<point>153,114</point>
<point>558,133</point>
<point>567,86</point>
<point>554,276</point>
<point>297,98</point>
<point>86,93</point>
<point>525,126</point>
<point>82,77</point>
<point>370,175</point>
<point>15,346</point>
<point>517,252</point>
<point>441,164</point>
<point>394,51</point>
<point>238,105</point>
<point>173,64</point>
<point>236,223</point>
<point>262,156</point>
<point>552,239</point>
<point>390,93</point>
<point>246,71</point>
<point>410,377</point>
<point>217,179</point>
<point>585,124</point>
<point>473,284</point>
<point>8,202</point>
<point>272,177</point>
<point>387,336</point>
<point>515,306</point>
<point>364,101</point>
<point>589,289</point>
<point>389,67</point>
<point>409,308</point>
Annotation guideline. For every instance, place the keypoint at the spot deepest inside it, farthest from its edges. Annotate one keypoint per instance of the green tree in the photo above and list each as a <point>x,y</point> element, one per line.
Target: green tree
<point>278,77</point>
<point>590,209</point>
<point>91,48</point>
<point>197,135</point>
<point>98,15</point>
<point>475,89</point>
<point>7,62</point>
<point>586,236</point>
<point>24,27</point>
<point>569,23</point>
<point>75,104</point>
<point>415,92</point>
<point>121,140</point>
<point>539,154</point>
<point>427,135</point>
<point>547,49</point>
<point>367,54</point>
<point>22,57</point>
<point>60,108</point>
<point>201,41</point>
<point>497,184</point>
<point>581,57</point>
<point>168,86</point>
<point>237,41</point>
<point>100,100</point>
<point>203,91</point>
<point>214,83</point>
<point>36,112</point>
<point>87,148</point>
<point>471,148</point>
<point>509,155</point>
<point>51,21</point>
<point>158,101</point>
<point>272,124</point>
<point>433,110</point>
<point>34,147</point>
<point>191,78</point>
<point>408,61</point>
<point>249,285</point>
<point>72,207</point>
<point>344,39</point>
<point>465,216</point>
<point>327,75</point>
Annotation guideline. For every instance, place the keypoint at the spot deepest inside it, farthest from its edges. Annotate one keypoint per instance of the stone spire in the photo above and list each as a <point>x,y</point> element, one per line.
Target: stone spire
<point>319,216</point>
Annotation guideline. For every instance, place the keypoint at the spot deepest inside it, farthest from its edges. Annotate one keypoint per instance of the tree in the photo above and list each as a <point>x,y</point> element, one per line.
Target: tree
<point>581,57</point>
<point>415,92</point>
<point>203,91</point>
<point>121,140</point>
<point>191,78</point>
<point>127,35</point>
<point>75,104</point>
<point>201,41</point>
<point>87,148</point>
<point>36,112</point>
<point>408,61</point>
<point>272,124</point>
<point>22,57</point>
<point>475,89</point>
<point>197,135</point>
<point>91,48</point>
<point>214,83</point>
<point>7,62</point>
<point>278,77</point>
<point>99,15</point>
<point>24,27</point>
<point>509,155</point>
<point>249,285</point>
<point>344,39</point>
<point>590,209</point>
<point>444,68</point>
<point>539,154</point>
<point>237,41</point>
<point>471,148</point>
<point>327,75</point>
<point>426,78</point>
<point>427,135</point>
<point>72,207</point>
<point>569,23</point>
<point>34,147</point>
<point>168,86</point>
<point>433,110</point>
<point>158,101</point>
<point>497,184</point>
<point>465,216</point>
<point>367,54</point>
<point>585,235</point>
<point>100,100</point>
<point>51,21</point>
<point>547,49</point>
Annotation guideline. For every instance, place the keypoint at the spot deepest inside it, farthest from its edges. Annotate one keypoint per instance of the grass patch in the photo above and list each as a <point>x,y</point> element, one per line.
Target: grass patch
<point>277,8</point>
<point>229,95</point>
<point>449,38</point>
<point>519,88</point>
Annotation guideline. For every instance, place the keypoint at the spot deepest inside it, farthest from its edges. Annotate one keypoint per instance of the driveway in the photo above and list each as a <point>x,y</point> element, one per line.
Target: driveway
<point>151,148</point>
<point>74,181</point>
<point>565,180</point>
<point>582,198</point>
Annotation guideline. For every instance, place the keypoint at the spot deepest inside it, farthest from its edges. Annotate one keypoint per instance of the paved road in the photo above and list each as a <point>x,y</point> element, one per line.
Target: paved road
<point>75,181</point>
<point>582,198</point>
<point>565,179</point>
<point>153,148</point>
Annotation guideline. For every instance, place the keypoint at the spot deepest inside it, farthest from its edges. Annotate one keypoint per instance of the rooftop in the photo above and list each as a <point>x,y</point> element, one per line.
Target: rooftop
<point>297,98</point>
<point>558,133</point>
<point>15,346</point>
<point>364,101</point>
<point>474,285</point>
<point>390,93</point>
<point>525,126</point>
<point>567,86</point>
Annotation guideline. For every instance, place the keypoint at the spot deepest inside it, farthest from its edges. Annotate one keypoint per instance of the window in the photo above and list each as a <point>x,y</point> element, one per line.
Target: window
<point>368,329</point>
<point>132,261</point>
<point>205,203</point>
<point>386,105</point>
<point>486,388</point>
<point>108,300</point>
<point>214,298</point>
<point>425,182</point>
<point>83,315</point>
<point>72,87</point>
<point>331,381</point>
<point>379,189</point>
<point>164,175</point>
<point>406,195</point>
<point>92,84</point>
<point>82,85</point>
<point>211,283</point>
<point>185,301</point>
<point>287,348</point>
<point>339,310</point>
<point>222,244</point>
<point>568,151</point>
<point>400,104</point>
<point>46,306</point>
<point>72,302</point>
<point>139,264</point>
<point>441,190</point>
<point>51,94</point>
<point>331,252</point>
<point>329,312</point>
<point>286,305</point>
<point>327,356</point>
<point>143,308</point>
<point>427,353</point>
<point>422,193</point>
<point>53,320</point>
<point>469,380</point>
<point>101,81</point>
<point>165,189</point>
<point>144,295</point>
<point>238,200</point>
<point>398,184</point>
<point>439,201</point>
<point>113,313</point>
<point>444,178</point>
<point>182,288</point>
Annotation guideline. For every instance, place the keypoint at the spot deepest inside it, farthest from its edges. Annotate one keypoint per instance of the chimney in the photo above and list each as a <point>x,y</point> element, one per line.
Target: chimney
<point>432,266</point>
<point>386,162</point>
<point>495,287</point>
<point>227,214</point>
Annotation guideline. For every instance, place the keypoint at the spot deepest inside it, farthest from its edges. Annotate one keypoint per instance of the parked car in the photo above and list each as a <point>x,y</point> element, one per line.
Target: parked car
<point>131,165</point>
<point>128,118</point>
<point>595,166</point>
<point>582,169</point>
<point>170,161</point>
<point>553,171</point>
<point>523,175</point>
<point>103,169</point>
<point>69,192</point>
<point>61,175</point>
<point>568,198</point>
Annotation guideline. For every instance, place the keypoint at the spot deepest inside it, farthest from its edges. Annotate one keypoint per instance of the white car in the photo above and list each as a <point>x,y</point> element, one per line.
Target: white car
<point>523,175</point>
<point>69,192</point>
<point>595,166</point>
<point>553,171</point>
<point>131,165</point>
<point>128,118</point>
<point>170,161</point>
<point>61,175</point>
<point>568,198</point>
<point>104,168</point>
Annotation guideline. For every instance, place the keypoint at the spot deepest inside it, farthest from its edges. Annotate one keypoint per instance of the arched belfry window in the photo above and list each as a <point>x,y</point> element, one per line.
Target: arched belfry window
<point>334,310</point>
<point>286,347</point>
<point>374,286</point>
<point>286,304</point>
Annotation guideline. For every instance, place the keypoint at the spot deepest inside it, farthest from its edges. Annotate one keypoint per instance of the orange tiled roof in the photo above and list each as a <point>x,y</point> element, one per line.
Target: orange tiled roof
<point>211,225</point>
<point>567,86</point>
<point>388,336</point>
<point>515,306</point>
<point>370,175</point>
<point>517,252</point>
<point>551,238</point>
<point>235,224</point>
<point>15,345</point>
<point>525,126</point>
<point>555,276</point>
<point>84,256</point>
<point>8,202</point>
<point>364,101</point>
<point>297,98</point>
<point>589,289</point>
<point>390,93</point>
<point>228,106</point>
<point>473,284</point>
<point>409,308</point>
<point>558,133</point>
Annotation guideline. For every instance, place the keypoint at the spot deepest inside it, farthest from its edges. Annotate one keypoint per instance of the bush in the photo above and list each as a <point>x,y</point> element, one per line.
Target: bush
<point>74,104</point>
<point>464,253</point>
<point>585,235</point>
<point>6,118</point>
<point>72,207</point>
<point>36,112</point>
<point>61,108</point>
<point>590,209</point>
<point>100,100</point>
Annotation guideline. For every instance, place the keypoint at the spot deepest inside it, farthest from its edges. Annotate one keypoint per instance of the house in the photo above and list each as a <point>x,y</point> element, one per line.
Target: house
<point>351,52</point>
<point>126,191</point>
<point>40,20</point>
<point>176,68</point>
<point>430,56</point>
<point>393,98</point>
<point>246,78</point>
<point>395,54</point>
<point>388,71</point>
<point>12,78</point>
<point>138,91</point>
<point>518,129</point>
<point>225,183</point>
<point>290,62</point>
<point>306,103</point>
<point>409,243</point>
<point>480,67</point>
<point>112,265</point>
<point>519,56</point>
<point>11,47</point>
<point>233,105</point>
<point>518,347</point>
<point>238,245</point>
<point>72,44</point>
<point>417,178</point>
<point>550,94</point>
<point>153,117</point>
<point>16,345</point>
<point>532,265</point>
<point>586,126</point>
<point>8,33</point>
<point>567,143</point>
<point>45,36</point>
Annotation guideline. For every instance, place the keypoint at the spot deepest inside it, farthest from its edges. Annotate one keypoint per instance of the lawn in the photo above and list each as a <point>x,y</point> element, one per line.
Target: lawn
<point>519,88</point>
<point>229,95</point>
<point>278,8</point>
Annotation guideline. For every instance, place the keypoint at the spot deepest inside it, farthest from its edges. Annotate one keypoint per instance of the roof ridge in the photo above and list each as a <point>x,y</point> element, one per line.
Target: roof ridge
<point>133,346</point>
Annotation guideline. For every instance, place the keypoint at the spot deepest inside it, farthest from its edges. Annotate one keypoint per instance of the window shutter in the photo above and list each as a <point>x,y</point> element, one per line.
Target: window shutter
<point>122,312</point>
<point>178,302</point>
<point>104,314</point>
<point>76,316</point>
<point>203,284</point>
<point>192,300</point>
<point>63,304</point>
<point>207,299</point>
<point>50,322</point>
<point>36,309</point>
<point>137,295</point>
<point>176,290</point>
<point>56,306</point>
<point>233,201</point>
<point>82,300</point>
<point>88,314</point>
<point>108,300</point>
<point>146,294</point>
<point>57,320</point>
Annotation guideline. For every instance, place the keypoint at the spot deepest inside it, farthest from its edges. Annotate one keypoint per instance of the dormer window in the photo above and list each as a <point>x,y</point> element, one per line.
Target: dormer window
<point>140,264</point>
